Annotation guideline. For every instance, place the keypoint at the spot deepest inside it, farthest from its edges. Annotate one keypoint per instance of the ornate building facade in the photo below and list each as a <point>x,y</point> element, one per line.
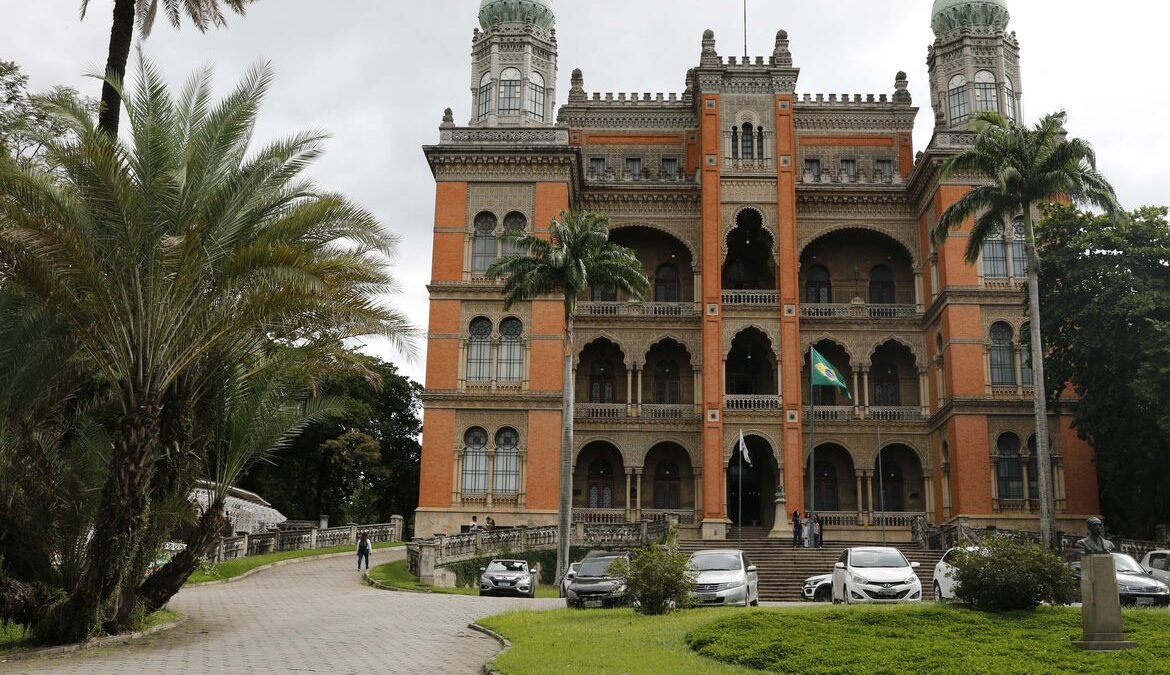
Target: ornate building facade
<point>768,221</point>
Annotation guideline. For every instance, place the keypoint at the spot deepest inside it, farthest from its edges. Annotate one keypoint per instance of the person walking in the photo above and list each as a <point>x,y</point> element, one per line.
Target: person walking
<point>817,531</point>
<point>796,529</point>
<point>363,550</point>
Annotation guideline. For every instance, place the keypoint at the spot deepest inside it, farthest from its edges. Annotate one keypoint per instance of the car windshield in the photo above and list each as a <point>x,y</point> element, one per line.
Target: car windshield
<point>877,559</point>
<point>1127,564</point>
<point>595,567</point>
<point>716,562</point>
<point>507,566</point>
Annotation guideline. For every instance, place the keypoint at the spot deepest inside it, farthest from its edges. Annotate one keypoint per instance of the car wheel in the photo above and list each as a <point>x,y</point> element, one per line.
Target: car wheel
<point>824,595</point>
<point>938,597</point>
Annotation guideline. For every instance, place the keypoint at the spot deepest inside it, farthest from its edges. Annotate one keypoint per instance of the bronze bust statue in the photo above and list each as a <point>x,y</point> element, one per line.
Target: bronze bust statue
<point>1095,543</point>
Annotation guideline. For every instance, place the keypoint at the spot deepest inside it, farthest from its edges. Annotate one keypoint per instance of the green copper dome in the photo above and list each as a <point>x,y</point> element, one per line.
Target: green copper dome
<point>495,12</point>
<point>986,16</point>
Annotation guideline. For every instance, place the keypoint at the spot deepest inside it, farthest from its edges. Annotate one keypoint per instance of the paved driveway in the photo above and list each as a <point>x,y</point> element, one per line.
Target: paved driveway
<point>311,617</point>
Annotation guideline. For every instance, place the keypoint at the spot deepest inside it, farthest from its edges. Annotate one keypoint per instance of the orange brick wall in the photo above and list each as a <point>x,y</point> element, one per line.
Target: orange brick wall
<point>970,464</point>
<point>450,214</point>
<point>713,475</point>
<point>1080,471</point>
<point>544,464</point>
<point>438,449</point>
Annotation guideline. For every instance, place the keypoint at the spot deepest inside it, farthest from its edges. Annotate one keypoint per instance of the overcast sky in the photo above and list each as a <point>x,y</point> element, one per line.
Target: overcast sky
<point>378,74</point>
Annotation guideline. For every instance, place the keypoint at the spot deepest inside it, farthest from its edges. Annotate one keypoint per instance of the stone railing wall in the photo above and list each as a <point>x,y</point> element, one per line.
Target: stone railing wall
<point>425,555</point>
<point>231,548</point>
<point>959,533</point>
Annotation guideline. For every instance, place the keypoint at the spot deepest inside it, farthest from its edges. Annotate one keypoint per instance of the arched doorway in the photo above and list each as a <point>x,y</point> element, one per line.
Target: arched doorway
<point>751,365</point>
<point>834,486</point>
<point>599,480</point>
<point>898,477</point>
<point>752,477</point>
<point>668,481</point>
<point>750,263</point>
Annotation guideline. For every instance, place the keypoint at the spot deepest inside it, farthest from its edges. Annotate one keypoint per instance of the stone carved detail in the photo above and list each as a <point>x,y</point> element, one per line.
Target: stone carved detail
<point>769,327</point>
<point>914,343</point>
<point>772,433</point>
<point>634,446</point>
<point>904,234</point>
<point>852,345</point>
<point>491,421</point>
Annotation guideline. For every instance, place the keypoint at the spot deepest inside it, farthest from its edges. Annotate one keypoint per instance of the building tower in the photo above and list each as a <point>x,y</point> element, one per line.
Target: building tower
<point>974,64</point>
<point>514,64</point>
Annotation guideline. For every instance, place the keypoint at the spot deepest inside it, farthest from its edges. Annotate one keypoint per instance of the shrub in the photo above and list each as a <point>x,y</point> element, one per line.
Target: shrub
<point>656,579</point>
<point>1002,575</point>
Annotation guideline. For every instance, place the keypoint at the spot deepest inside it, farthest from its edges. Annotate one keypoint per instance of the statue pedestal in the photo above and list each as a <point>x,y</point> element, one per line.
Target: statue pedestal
<point>781,528</point>
<point>1101,608</point>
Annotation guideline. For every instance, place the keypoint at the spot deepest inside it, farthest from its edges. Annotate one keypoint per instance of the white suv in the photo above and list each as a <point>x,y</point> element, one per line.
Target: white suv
<point>944,574</point>
<point>875,574</point>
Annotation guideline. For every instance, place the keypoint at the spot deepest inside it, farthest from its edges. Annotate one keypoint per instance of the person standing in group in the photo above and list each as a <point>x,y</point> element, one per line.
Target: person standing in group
<point>363,550</point>
<point>817,532</point>
<point>474,526</point>
<point>796,529</point>
<point>489,524</point>
<point>807,522</point>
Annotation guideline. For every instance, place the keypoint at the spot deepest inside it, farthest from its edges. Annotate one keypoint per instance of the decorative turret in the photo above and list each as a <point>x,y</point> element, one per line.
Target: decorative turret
<point>514,64</point>
<point>978,16</point>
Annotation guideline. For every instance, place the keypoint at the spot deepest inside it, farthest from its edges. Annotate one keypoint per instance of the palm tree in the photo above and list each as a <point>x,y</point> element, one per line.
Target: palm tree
<point>203,13</point>
<point>577,255</point>
<point>1025,168</point>
<point>166,249</point>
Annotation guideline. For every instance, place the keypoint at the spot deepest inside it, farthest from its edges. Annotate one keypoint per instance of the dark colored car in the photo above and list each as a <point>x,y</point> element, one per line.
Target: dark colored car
<point>1135,586</point>
<point>507,577</point>
<point>595,585</point>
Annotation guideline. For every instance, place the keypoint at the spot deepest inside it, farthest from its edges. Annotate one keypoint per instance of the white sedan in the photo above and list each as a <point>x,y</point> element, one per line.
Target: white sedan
<point>874,574</point>
<point>944,574</point>
<point>725,577</point>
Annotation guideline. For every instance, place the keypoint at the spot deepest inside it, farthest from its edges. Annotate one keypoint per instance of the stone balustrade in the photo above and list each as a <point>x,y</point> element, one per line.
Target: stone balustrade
<point>304,539</point>
<point>752,403</point>
<point>636,309</point>
<point>859,311</point>
<point>895,413</point>
<point>759,298</point>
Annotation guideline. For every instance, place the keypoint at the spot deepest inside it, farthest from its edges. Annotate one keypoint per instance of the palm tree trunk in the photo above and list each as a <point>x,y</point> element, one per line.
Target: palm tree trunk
<point>160,587</point>
<point>122,518</point>
<point>1039,395</point>
<point>121,35</point>
<point>564,512</point>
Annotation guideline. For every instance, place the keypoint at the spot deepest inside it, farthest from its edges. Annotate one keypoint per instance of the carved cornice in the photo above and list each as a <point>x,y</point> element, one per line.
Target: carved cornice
<point>613,201</point>
<point>453,398</point>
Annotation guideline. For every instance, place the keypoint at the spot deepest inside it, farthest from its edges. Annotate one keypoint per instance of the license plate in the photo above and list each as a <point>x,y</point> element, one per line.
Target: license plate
<point>1142,602</point>
<point>505,584</point>
<point>706,597</point>
<point>887,594</point>
<point>593,603</point>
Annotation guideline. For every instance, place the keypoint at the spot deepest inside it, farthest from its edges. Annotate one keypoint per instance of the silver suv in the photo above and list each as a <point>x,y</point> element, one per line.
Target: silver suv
<point>507,577</point>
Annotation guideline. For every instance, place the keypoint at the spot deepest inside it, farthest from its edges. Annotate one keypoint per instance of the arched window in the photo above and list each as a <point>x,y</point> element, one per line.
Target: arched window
<point>667,485</point>
<point>1009,93</point>
<point>514,224</point>
<point>735,142</point>
<point>601,382</point>
<point>536,96</point>
<point>1010,470</point>
<point>483,243</point>
<point>886,386</point>
<point>959,106</point>
<point>890,490</point>
<point>994,255</point>
<point>479,351</point>
<point>825,486</point>
<point>881,286</point>
<point>946,457</point>
<point>818,287</point>
<point>600,484</point>
<point>511,360</point>
<point>667,388</point>
<point>1019,249</point>
<point>666,286</point>
<point>1025,355</point>
<point>1033,470</point>
<point>1003,357</point>
<point>986,92</point>
<point>748,141</point>
<point>483,106</point>
<point>475,469</point>
<point>510,92</point>
<point>760,142</point>
<point>506,466</point>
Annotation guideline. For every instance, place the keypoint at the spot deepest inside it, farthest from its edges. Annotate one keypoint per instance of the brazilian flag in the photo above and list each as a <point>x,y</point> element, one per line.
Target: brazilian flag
<point>824,374</point>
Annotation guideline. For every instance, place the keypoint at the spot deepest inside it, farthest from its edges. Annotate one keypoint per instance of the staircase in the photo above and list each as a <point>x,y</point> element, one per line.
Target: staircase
<point>783,569</point>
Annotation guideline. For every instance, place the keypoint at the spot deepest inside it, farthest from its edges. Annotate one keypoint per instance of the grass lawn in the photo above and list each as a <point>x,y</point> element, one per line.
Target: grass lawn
<point>13,639</point>
<point>822,641</point>
<point>397,574</point>
<point>234,568</point>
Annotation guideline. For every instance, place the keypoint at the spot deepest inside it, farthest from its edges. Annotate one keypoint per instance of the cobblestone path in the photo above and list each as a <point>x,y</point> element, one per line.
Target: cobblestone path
<point>311,617</point>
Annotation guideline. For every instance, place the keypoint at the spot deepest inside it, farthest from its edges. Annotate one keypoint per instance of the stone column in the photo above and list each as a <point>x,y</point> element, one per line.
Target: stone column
<point>638,486</point>
<point>923,393</point>
<point>860,497</point>
<point>698,495</point>
<point>629,390</point>
<point>629,478</point>
<point>856,397</point>
<point>640,389</point>
<point>918,299</point>
<point>1016,365</point>
<point>1028,496</point>
<point>928,485</point>
<point>865,392</point>
<point>399,524</point>
<point>870,491</point>
<point>699,391</point>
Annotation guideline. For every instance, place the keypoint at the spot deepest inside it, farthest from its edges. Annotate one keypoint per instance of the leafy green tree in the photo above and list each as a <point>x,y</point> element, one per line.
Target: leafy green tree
<point>1025,168</point>
<point>576,255</point>
<point>174,249</point>
<point>1003,575</point>
<point>658,579</point>
<point>1105,286</point>
<point>203,14</point>
<point>360,466</point>
<point>25,120</point>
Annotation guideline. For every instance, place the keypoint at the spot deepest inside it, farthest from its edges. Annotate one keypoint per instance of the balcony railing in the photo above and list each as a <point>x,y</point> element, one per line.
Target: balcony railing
<point>839,518</point>
<point>895,413</point>
<point>768,298</point>
<point>754,403</point>
<point>599,516</point>
<point>656,411</point>
<point>859,311</point>
<point>600,411</point>
<point>830,413</point>
<point>685,517</point>
<point>894,518</point>
<point>651,309</point>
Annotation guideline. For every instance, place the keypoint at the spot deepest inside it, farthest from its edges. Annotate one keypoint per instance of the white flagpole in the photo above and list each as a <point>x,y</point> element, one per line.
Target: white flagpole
<point>881,484</point>
<point>739,531</point>
<point>812,443</point>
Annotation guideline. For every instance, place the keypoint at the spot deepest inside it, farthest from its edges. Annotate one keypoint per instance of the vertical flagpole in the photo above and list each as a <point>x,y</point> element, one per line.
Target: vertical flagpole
<point>745,51</point>
<point>739,531</point>
<point>812,442</point>
<point>881,485</point>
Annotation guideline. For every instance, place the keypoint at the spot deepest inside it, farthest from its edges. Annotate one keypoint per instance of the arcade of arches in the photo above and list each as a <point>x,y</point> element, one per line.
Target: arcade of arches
<point>893,482</point>
<point>606,489</point>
